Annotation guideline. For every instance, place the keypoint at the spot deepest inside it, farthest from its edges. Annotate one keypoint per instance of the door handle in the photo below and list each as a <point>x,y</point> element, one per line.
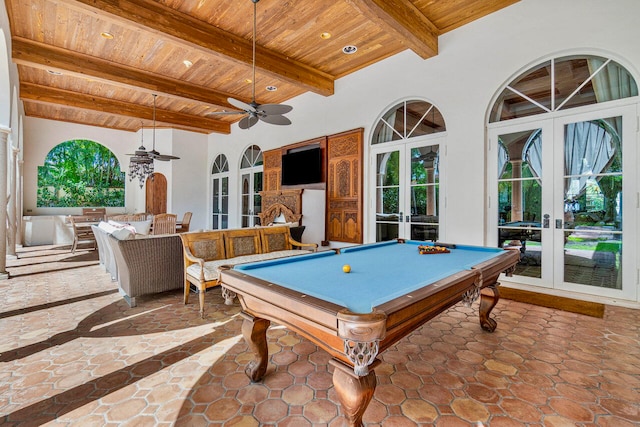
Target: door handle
<point>558,223</point>
<point>545,221</point>
<point>401,217</point>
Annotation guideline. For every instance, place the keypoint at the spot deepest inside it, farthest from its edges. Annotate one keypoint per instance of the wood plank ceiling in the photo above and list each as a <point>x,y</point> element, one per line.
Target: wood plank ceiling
<point>69,71</point>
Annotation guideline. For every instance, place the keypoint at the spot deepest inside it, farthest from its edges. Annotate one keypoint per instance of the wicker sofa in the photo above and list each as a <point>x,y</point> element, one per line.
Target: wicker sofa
<point>147,265</point>
<point>207,251</point>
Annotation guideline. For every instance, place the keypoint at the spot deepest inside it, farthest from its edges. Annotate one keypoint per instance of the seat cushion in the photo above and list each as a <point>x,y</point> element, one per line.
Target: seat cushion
<point>211,272</point>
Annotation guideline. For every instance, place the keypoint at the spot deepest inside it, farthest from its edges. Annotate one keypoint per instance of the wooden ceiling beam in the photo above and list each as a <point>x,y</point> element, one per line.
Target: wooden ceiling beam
<point>402,18</point>
<point>48,95</point>
<point>47,57</point>
<point>150,15</point>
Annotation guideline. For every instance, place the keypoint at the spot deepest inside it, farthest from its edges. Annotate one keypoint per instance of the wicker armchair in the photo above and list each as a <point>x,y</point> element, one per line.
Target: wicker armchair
<point>148,265</point>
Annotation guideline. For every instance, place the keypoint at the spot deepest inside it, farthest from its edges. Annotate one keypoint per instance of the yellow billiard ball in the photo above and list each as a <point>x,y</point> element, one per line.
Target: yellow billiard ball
<point>346,268</point>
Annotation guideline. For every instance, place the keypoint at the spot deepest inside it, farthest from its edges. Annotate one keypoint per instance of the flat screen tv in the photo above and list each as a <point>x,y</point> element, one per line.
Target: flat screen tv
<point>302,167</point>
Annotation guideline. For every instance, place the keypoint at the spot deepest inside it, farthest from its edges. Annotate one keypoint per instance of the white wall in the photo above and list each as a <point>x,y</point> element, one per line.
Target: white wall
<point>190,177</point>
<point>473,64</point>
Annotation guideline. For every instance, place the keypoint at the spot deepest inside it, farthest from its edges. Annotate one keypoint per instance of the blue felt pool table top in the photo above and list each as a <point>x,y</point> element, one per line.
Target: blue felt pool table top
<point>379,273</point>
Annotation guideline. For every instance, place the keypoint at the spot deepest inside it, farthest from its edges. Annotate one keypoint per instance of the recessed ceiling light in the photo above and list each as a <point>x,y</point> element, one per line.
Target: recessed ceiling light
<point>325,36</point>
<point>272,88</point>
<point>55,73</point>
<point>187,63</point>
<point>248,81</point>
<point>107,35</point>
<point>349,49</point>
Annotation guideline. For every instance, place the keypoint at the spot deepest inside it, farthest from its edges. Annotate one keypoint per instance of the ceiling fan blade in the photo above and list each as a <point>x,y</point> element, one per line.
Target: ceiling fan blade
<point>165,157</point>
<point>225,113</point>
<point>274,108</point>
<point>162,157</point>
<point>248,121</point>
<point>241,105</point>
<point>275,120</point>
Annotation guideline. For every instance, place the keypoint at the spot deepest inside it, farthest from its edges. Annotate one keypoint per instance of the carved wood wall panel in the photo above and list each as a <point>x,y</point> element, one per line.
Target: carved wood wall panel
<point>272,169</point>
<point>286,202</point>
<point>344,187</point>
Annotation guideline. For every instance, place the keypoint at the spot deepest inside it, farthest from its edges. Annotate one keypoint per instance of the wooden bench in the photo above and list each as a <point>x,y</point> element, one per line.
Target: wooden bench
<point>206,252</point>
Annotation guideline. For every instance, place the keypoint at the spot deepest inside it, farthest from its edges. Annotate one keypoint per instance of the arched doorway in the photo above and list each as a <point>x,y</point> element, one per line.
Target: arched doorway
<point>561,164</point>
<point>406,157</point>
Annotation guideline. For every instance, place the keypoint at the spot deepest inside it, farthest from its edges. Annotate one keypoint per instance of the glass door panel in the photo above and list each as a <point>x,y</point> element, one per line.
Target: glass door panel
<point>220,203</point>
<point>519,215</point>
<point>593,199</point>
<point>424,191</point>
<point>387,207</point>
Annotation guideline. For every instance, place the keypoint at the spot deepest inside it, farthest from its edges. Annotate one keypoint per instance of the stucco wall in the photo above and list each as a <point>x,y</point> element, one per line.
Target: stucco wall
<point>473,64</point>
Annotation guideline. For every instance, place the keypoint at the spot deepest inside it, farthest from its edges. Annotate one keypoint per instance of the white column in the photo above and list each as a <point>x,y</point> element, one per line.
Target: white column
<point>19,193</point>
<point>12,203</point>
<point>431,191</point>
<point>4,133</point>
<point>516,190</point>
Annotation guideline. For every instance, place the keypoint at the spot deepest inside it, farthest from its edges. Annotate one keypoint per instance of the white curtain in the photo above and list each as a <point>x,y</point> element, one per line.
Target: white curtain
<point>588,150</point>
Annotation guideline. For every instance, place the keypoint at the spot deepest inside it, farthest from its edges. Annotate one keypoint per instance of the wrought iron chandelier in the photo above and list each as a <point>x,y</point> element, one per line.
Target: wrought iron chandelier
<point>141,164</point>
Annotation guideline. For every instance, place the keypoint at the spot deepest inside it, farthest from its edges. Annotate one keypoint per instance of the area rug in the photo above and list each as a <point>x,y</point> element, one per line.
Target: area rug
<point>587,308</point>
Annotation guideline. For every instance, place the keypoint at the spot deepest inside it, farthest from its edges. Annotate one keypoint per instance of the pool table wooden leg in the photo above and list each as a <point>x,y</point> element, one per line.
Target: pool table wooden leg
<point>254,331</point>
<point>354,392</point>
<point>487,302</point>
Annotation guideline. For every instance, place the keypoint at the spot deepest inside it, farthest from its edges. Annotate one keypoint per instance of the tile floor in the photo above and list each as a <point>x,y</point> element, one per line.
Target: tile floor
<point>74,354</point>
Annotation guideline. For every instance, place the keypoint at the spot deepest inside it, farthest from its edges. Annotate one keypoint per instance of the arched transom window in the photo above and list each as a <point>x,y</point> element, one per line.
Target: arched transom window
<point>408,119</point>
<point>562,83</point>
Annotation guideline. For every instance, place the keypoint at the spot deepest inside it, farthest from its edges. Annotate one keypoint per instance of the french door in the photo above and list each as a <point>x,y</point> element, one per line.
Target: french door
<point>559,193</point>
<point>220,202</point>
<point>251,200</point>
<point>407,183</point>
<point>220,196</point>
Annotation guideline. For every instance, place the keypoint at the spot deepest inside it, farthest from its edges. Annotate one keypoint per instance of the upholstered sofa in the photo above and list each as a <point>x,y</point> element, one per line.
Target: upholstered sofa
<point>105,253</point>
<point>207,251</point>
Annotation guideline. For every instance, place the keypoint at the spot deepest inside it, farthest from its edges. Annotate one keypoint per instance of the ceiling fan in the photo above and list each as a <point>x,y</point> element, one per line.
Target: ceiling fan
<point>268,113</point>
<point>141,155</point>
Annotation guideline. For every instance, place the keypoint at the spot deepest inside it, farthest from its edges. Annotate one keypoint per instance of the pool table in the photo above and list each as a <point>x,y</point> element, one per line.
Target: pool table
<point>390,291</point>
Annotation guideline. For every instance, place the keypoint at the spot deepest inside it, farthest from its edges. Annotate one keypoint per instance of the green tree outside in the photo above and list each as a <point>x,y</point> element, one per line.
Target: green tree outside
<point>80,173</point>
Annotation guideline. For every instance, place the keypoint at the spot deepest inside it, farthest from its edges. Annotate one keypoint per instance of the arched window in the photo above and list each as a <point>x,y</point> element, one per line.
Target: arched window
<point>562,83</point>
<point>408,119</point>
<point>220,196</point>
<point>80,173</point>
<point>251,167</point>
<point>406,150</point>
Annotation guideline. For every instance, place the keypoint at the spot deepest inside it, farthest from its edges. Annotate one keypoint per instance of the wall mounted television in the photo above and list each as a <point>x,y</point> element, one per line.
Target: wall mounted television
<point>302,167</point>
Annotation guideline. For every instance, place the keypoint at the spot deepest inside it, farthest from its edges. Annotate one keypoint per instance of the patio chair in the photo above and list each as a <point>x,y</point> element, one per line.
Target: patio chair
<point>184,225</point>
<point>82,231</point>
<point>164,224</point>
